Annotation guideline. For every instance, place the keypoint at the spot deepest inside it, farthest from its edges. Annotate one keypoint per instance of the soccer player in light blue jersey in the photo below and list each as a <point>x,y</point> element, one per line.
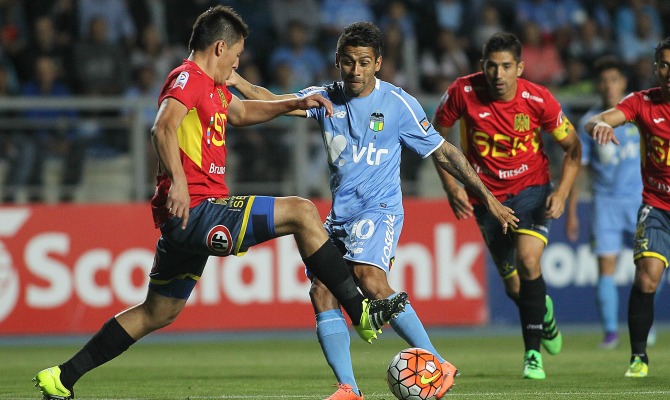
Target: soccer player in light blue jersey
<point>372,121</point>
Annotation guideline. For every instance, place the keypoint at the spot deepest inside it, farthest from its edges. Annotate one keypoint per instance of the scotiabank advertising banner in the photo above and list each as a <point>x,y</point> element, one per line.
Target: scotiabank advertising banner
<point>68,268</point>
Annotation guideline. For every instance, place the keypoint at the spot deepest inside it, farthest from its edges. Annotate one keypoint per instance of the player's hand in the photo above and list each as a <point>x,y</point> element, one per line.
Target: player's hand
<point>555,206</point>
<point>503,214</point>
<point>178,202</point>
<point>315,101</point>
<point>571,227</point>
<point>458,200</point>
<point>233,79</point>
<point>603,133</point>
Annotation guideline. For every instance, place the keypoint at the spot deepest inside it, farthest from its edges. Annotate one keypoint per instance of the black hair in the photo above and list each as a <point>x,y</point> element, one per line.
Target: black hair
<point>361,34</point>
<point>662,45</point>
<point>217,23</point>
<point>608,62</point>
<point>502,41</point>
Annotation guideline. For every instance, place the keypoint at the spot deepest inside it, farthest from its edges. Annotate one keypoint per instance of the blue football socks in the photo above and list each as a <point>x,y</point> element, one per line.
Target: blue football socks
<point>333,334</point>
<point>608,303</point>
<point>408,326</point>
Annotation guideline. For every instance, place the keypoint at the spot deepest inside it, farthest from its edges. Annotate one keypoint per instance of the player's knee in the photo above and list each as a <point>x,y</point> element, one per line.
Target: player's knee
<point>302,211</point>
<point>646,283</point>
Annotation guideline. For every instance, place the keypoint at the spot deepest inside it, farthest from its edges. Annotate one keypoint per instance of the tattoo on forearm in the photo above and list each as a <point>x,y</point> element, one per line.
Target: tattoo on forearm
<point>455,163</point>
<point>254,89</point>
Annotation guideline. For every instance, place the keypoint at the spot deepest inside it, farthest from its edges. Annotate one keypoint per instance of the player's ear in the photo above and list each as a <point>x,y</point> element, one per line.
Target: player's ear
<point>519,69</point>
<point>481,64</point>
<point>219,47</point>
<point>378,64</point>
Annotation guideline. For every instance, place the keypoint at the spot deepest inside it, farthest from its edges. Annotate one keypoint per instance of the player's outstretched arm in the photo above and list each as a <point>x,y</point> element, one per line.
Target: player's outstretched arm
<point>250,112</point>
<point>255,92</point>
<point>601,126</point>
<point>452,161</point>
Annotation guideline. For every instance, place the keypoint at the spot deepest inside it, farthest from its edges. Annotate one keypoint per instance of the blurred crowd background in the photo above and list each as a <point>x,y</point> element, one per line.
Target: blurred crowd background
<point>60,50</point>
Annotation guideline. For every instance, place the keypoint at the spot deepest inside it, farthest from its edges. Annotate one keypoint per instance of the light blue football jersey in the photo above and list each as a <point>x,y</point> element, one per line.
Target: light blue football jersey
<point>616,167</point>
<point>363,140</point>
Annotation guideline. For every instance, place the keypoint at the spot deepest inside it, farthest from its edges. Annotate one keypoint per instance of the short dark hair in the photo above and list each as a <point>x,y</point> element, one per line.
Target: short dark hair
<point>502,41</point>
<point>662,45</point>
<point>217,23</point>
<point>361,34</point>
<point>608,62</point>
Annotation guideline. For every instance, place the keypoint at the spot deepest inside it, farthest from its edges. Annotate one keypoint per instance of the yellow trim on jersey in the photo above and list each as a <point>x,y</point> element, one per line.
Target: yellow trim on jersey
<point>652,255</point>
<point>563,130</point>
<point>189,135</point>
<point>182,276</point>
<point>510,275</point>
<point>243,228</point>
<point>531,233</point>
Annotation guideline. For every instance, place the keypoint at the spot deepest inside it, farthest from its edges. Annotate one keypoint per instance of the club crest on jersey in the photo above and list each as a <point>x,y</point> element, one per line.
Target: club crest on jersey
<point>377,121</point>
<point>219,240</point>
<point>521,123</point>
<point>224,103</point>
<point>181,80</point>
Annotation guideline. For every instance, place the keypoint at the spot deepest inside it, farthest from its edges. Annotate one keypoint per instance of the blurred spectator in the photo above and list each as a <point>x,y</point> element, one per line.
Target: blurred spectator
<point>400,46</point>
<point>181,15</point>
<point>152,50</point>
<point>542,62</point>
<point>488,24</point>
<point>336,14</point>
<point>44,42</point>
<point>285,11</point>
<point>55,133</point>
<point>145,86</point>
<point>443,63</point>
<point>577,82</point>
<point>627,18</point>
<point>643,74</point>
<point>150,12</point>
<point>642,42</point>
<point>589,45</point>
<point>307,62</point>
<point>449,14</point>
<point>120,25</point>
<point>396,13</point>
<point>99,65</point>
<point>550,15</point>
<point>13,27</point>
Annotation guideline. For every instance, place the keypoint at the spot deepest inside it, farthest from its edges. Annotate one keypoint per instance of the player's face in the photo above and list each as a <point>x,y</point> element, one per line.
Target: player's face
<point>663,73</point>
<point>611,85</point>
<point>501,71</point>
<point>229,59</point>
<point>357,69</point>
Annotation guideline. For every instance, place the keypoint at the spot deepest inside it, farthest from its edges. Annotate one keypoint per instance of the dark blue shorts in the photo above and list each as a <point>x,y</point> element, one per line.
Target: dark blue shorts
<point>652,235</point>
<point>529,206</point>
<point>217,227</point>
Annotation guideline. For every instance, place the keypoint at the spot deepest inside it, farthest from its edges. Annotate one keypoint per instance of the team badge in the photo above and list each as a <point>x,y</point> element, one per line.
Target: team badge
<point>521,123</point>
<point>224,103</point>
<point>377,121</point>
<point>219,240</point>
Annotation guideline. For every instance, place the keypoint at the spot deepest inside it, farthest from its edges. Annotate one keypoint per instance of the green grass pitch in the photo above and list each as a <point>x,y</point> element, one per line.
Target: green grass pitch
<point>291,366</point>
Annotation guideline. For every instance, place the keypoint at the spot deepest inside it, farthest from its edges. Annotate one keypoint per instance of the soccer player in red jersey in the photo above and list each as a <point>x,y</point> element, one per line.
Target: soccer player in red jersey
<point>650,111</point>
<point>502,116</point>
<point>197,216</point>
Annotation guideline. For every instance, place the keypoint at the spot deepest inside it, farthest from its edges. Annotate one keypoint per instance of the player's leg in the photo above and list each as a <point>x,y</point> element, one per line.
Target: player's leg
<point>333,335</point>
<point>297,216</point>
<point>651,251</point>
<point>608,301</point>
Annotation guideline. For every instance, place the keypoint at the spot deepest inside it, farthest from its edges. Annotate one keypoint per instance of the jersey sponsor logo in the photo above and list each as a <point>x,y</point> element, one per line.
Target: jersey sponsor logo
<point>335,146</point>
<point>340,114</point>
<point>374,155</point>
<point>521,123</point>
<point>511,173</point>
<point>658,120</point>
<point>388,239</point>
<point>484,114</point>
<point>377,121</point>
<point>529,96</point>
<point>217,169</point>
<point>224,102</point>
<point>219,240</point>
<point>181,80</point>
<point>425,124</point>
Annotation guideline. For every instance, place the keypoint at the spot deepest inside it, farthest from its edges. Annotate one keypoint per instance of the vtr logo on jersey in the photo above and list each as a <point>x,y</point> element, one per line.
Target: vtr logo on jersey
<point>219,240</point>
<point>374,155</point>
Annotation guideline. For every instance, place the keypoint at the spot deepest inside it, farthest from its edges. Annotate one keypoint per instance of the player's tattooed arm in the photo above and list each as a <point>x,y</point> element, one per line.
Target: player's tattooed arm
<point>451,160</point>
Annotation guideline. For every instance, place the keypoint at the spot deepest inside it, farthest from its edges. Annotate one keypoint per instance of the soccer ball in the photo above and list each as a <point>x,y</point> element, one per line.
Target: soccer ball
<point>414,374</point>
